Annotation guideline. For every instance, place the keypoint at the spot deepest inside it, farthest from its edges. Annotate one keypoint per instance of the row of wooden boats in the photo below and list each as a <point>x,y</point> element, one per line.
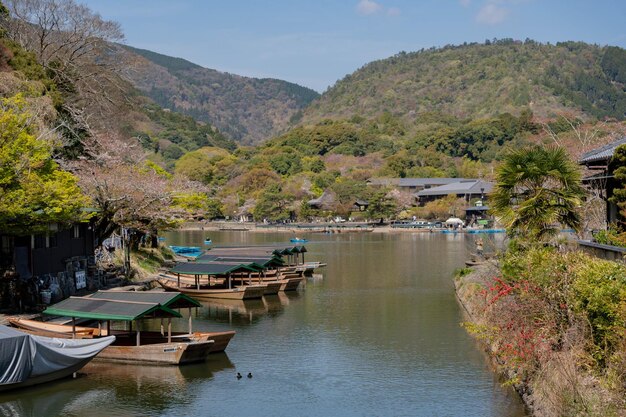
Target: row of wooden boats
<point>122,325</point>
<point>240,273</point>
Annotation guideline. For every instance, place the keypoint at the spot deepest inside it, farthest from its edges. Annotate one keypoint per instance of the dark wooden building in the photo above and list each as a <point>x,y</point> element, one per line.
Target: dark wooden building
<point>599,160</point>
<point>62,258</point>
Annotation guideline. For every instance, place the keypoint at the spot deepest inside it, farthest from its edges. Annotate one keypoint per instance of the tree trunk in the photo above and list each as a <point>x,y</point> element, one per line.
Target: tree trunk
<point>154,239</point>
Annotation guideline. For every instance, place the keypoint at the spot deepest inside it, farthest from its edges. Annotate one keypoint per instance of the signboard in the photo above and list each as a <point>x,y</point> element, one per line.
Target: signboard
<point>81,281</point>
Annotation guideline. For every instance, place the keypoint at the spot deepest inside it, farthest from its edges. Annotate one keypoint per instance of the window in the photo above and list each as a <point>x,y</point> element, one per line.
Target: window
<point>77,231</point>
<point>53,240</point>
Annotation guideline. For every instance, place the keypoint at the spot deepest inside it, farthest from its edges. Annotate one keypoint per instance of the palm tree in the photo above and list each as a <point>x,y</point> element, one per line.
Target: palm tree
<point>537,190</point>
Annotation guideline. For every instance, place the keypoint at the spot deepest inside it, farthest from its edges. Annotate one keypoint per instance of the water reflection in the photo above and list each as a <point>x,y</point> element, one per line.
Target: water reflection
<point>245,312</point>
<point>142,389</point>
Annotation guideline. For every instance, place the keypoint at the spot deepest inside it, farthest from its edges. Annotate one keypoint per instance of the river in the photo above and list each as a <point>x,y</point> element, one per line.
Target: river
<point>375,333</point>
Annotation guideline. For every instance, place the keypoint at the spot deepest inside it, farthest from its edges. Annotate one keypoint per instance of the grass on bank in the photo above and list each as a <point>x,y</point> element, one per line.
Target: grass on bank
<point>144,262</point>
<point>555,322</point>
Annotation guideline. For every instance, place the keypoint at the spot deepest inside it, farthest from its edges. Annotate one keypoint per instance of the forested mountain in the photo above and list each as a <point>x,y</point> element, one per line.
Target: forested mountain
<point>483,80</point>
<point>248,110</point>
<point>448,112</point>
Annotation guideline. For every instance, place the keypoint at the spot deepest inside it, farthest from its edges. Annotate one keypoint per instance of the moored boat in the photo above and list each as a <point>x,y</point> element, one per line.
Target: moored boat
<point>181,273</point>
<point>27,359</point>
<point>244,292</point>
<point>134,345</point>
<point>48,329</point>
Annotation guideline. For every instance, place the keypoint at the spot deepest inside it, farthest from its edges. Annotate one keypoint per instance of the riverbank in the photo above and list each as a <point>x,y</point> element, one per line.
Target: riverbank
<point>327,227</point>
<point>542,340</point>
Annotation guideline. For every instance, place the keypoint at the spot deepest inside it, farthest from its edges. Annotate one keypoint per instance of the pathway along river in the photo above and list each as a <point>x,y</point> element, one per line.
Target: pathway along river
<point>377,334</point>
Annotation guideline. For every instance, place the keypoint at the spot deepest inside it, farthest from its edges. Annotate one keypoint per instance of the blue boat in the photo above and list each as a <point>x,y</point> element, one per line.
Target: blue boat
<point>186,250</point>
<point>486,231</point>
<point>298,240</point>
<point>160,239</point>
<point>448,231</point>
<point>208,242</point>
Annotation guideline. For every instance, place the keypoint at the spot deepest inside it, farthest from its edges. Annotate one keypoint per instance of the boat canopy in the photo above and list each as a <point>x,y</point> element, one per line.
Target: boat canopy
<point>263,261</point>
<point>109,309</point>
<point>255,266</point>
<point>174,300</point>
<point>210,268</point>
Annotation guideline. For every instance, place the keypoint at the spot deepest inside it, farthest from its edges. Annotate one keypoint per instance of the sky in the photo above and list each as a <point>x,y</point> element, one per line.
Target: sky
<point>315,43</point>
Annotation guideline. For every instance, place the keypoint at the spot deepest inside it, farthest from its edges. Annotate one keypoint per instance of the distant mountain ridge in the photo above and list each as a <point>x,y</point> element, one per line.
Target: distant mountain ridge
<point>248,110</point>
<point>483,80</point>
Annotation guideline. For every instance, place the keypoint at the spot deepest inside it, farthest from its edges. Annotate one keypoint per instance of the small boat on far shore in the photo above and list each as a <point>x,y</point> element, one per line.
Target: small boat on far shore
<point>298,240</point>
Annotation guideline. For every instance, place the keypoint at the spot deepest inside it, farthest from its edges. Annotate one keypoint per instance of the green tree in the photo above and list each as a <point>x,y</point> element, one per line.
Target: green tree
<point>199,205</point>
<point>305,212</point>
<point>537,191</point>
<point>618,166</point>
<point>381,206</point>
<point>34,191</point>
<point>196,166</point>
<point>273,204</point>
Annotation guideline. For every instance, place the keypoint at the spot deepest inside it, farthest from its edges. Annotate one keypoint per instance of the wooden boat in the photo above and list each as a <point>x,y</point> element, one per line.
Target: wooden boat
<point>213,271</point>
<point>245,292</point>
<point>134,345</point>
<point>220,339</point>
<point>39,359</point>
<point>48,329</point>
<point>174,301</point>
<point>153,347</point>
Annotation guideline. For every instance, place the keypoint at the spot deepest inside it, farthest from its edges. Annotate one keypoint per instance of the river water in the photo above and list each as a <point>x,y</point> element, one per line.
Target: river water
<point>375,333</point>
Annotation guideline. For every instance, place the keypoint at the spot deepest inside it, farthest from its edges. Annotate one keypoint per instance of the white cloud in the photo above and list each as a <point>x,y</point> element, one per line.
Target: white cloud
<point>465,3</point>
<point>366,7</point>
<point>492,13</point>
<point>393,11</point>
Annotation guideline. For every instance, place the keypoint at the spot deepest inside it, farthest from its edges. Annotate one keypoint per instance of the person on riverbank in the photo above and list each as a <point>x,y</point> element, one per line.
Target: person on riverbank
<point>479,247</point>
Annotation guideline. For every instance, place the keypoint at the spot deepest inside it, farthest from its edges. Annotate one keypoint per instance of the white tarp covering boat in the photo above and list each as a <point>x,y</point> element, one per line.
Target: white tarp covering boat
<point>27,359</point>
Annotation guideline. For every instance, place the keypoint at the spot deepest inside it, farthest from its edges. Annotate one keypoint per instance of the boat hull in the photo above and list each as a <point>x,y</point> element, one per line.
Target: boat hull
<point>272,287</point>
<point>247,292</point>
<point>41,379</point>
<point>159,353</point>
<point>291,284</point>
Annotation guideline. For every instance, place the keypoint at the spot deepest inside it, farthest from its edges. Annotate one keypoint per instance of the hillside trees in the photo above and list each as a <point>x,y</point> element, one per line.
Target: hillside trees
<point>34,191</point>
<point>70,42</point>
